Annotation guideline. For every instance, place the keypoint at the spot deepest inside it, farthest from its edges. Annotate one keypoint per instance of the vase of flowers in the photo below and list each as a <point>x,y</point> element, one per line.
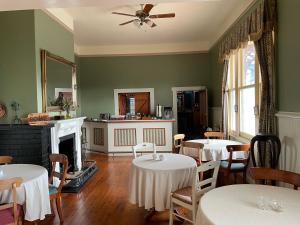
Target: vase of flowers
<point>68,106</point>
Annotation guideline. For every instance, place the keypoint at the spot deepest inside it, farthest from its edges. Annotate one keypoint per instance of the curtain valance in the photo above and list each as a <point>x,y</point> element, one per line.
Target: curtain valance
<point>261,18</point>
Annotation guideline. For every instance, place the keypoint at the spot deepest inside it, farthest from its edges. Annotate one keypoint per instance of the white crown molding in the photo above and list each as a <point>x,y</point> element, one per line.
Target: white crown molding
<point>62,17</point>
<point>76,49</point>
<point>143,49</point>
<point>291,115</point>
<point>234,16</point>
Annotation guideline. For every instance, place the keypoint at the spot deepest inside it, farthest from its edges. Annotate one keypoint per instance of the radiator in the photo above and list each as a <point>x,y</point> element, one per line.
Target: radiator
<point>155,135</point>
<point>99,136</point>
<point>125,137</point>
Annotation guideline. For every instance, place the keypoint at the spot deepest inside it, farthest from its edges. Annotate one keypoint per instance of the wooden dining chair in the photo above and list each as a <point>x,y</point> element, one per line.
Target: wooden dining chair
<point>55,192</point>
<point>177,140</point>
<point>264,174</point>
<point>236,165</point>
<point>5,159</point>
<point>11,213</point>
<point>214,135</point>
<point>193,150</point>
<point>189,197</point>
<point>143,147</point>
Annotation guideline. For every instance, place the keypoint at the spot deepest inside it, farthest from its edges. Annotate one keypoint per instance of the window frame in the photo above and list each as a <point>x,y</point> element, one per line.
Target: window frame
<point>235,73</point>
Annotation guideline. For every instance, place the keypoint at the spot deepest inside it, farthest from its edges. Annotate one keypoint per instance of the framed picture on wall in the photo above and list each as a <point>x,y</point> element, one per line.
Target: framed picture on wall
<point>66,93</point>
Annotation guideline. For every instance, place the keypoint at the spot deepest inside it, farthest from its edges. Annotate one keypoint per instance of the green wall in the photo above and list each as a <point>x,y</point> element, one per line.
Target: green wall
<point>288,56</point>
<point>53,37</point>
<point>99,76</point>
<point>17,62</point>
<point>23,34</point>
<point>216,75</point>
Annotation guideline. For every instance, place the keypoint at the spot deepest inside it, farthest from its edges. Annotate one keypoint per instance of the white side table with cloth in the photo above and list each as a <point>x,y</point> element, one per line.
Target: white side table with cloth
<point>215,149</point>
<point>151,181</point>
<point>33,193</point>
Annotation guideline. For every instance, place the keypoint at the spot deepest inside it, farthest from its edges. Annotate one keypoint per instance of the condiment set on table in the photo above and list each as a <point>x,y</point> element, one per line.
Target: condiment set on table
<point>264,203</point>
<point>158,157</point>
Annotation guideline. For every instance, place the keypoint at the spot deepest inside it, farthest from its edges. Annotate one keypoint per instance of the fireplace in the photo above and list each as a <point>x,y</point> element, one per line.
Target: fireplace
<point>66,139</point>
<point>67,146</point>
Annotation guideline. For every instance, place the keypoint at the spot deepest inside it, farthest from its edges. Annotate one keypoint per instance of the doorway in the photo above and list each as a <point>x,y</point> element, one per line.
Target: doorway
<point>191,111</point>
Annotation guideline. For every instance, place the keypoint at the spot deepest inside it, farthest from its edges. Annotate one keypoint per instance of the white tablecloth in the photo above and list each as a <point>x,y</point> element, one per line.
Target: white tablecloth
<point>33,193</point>
<point>151,182</point>
<point>237,204</point>
<point>215,149</point>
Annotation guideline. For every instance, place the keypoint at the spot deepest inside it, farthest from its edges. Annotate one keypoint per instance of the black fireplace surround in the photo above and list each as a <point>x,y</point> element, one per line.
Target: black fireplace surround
<point>26,144</point>
<point>32,145</point>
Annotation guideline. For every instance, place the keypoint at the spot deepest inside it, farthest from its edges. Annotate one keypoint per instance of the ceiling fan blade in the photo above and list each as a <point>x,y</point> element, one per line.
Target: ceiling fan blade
<point>123,14</point>
<point>130,21</point>
<point>167,15</point>
<point>150,23</point>
<point>148,8</point>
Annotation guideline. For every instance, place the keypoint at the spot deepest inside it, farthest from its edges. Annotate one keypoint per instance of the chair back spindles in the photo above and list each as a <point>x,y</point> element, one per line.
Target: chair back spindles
<point>11,184</point>
<point>201,186</point>
<point>143,148</point>
<point>177,140</point>
<point>268,150</point>
<point>192,149</point>
<point>61,175</point>
<point>238,148</point>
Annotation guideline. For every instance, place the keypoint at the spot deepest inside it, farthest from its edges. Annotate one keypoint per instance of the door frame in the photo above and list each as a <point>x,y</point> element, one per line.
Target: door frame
<point>178,89</point>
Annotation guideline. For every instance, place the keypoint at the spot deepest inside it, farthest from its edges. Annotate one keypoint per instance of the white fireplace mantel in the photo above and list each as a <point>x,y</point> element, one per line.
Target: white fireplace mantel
<point>66,127</point>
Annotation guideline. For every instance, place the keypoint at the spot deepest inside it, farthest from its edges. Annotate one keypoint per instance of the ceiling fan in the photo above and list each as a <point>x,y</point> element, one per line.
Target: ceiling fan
<point>143,16</point>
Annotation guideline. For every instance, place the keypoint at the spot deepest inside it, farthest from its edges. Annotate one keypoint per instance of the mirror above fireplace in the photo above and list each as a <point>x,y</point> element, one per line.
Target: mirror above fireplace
<point>58,81</point>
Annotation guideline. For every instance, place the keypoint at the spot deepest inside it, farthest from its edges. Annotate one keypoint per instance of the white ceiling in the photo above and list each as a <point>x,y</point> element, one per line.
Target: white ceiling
<point>197,25</point>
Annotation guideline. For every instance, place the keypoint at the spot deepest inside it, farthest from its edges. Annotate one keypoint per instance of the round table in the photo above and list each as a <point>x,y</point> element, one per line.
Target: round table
<point>33,192</point>
<point>238,204</point>
<point>152,181</point>
<point>215,149</point>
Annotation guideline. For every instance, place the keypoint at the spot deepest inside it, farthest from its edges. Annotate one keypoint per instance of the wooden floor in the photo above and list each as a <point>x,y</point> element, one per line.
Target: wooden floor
<point>104,199</point>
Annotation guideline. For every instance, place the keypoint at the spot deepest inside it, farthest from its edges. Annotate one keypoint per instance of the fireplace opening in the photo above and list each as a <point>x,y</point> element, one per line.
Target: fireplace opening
<point>67,147</point>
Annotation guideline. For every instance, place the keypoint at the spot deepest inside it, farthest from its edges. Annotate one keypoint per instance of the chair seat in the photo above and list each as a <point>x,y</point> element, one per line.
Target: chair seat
<point>52,189</point>
<point>7,215</point>
<point>234,166</point>
<point>183,194</point>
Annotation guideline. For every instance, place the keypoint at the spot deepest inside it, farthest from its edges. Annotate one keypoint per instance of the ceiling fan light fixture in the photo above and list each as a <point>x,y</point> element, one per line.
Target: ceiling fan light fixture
<point>143,16</point>
<point>138,23</point>
<point>150,23</point>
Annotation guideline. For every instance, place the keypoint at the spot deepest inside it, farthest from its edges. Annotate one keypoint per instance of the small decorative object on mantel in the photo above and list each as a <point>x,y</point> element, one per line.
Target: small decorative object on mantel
<point>68,106</point>
<point>16,107</point>
<point>3,110</point>
<point>38,119</point>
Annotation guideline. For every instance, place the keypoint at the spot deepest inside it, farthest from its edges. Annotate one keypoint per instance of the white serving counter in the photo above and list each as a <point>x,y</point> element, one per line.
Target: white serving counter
<point>118,136</point>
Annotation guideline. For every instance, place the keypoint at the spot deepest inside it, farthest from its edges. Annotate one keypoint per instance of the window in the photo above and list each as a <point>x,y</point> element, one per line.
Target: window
<point>243,85</point>
<point>133,101</point>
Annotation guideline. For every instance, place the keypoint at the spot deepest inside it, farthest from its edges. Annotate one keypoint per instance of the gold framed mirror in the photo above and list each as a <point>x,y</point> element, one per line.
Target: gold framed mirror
<point>58,80</point>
